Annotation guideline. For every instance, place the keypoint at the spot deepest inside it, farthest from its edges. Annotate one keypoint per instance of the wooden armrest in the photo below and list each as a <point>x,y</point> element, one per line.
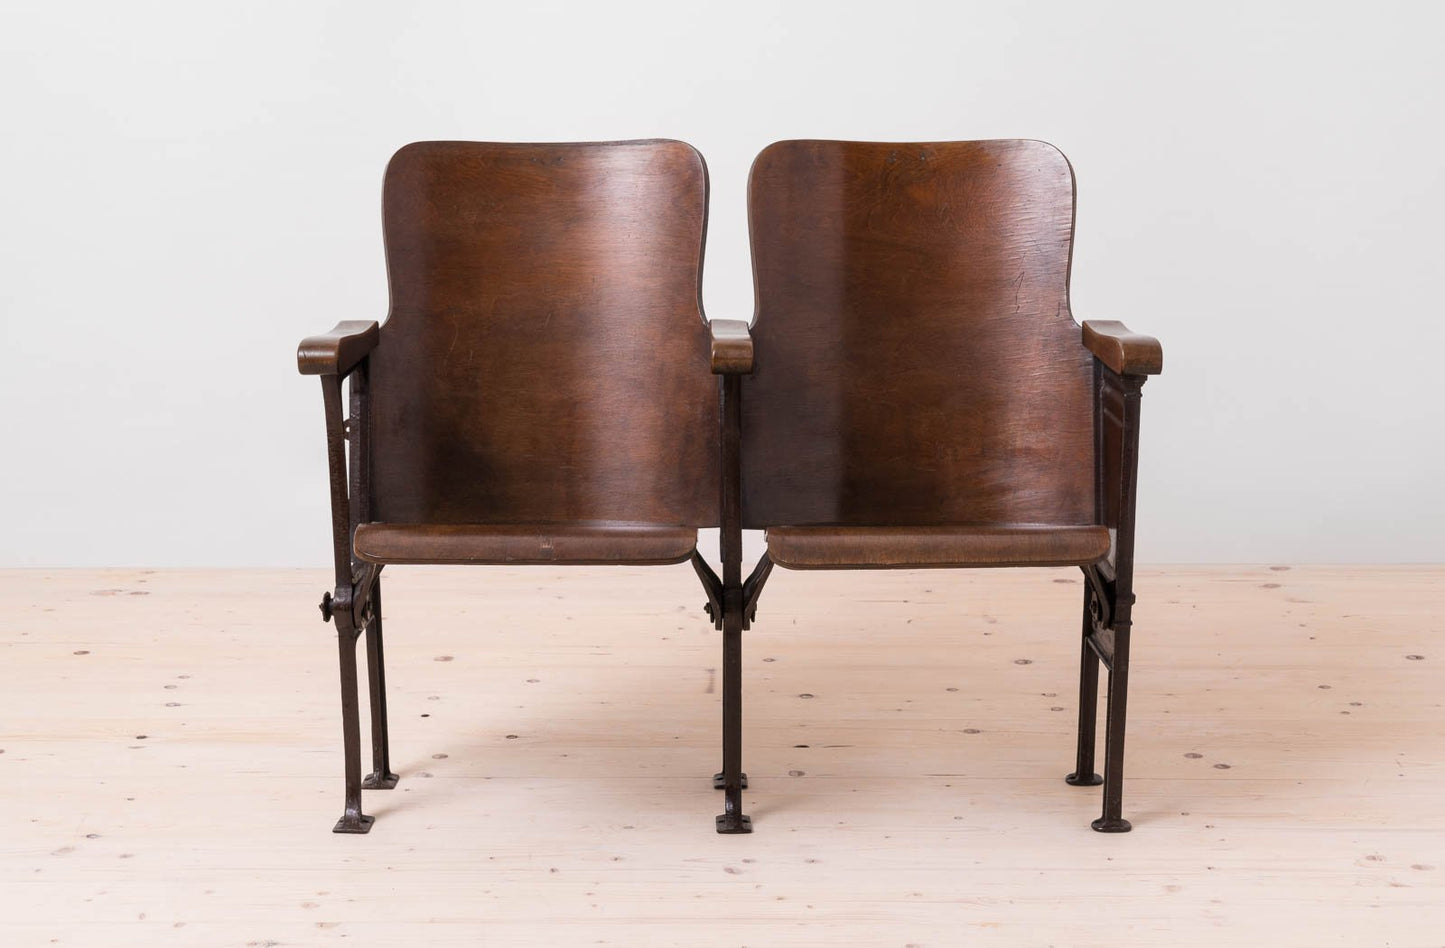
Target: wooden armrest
<point>338,351</point>
<point>732,347</point>
<point>1127,353</point>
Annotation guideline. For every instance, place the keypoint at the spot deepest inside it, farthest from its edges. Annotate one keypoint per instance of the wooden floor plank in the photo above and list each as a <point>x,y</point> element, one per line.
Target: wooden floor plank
<point>169,746</point>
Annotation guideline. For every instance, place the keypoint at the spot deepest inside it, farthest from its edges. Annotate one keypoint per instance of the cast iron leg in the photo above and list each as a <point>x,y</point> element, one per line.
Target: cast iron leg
<point>1112,821</point>
<point>1083,775</point>
<point>381,777</point>
<point>730,539</point>
<point>352,819</point>
<point>732,819</point>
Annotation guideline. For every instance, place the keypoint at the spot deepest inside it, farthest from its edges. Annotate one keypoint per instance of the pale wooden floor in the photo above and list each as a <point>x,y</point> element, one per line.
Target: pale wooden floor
<point>171,762</point>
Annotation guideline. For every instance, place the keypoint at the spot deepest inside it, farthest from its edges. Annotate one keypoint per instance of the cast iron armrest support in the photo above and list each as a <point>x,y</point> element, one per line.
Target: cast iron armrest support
<point>1127,353</point>
<point>338,351</point>
<point>335,356</point>
<point>732,347</point>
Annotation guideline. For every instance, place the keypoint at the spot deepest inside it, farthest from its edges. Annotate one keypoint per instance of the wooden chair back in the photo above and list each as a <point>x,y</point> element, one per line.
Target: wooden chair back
<point>545,359</point>
<point>917,362</point>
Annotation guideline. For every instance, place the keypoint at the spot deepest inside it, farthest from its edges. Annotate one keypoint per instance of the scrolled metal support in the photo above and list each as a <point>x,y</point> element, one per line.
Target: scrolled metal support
<point>753,588</point>
<point>712,586</point>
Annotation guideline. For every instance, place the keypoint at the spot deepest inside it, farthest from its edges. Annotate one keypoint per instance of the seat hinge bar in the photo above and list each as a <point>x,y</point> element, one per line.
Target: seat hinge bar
<point>355,600</point>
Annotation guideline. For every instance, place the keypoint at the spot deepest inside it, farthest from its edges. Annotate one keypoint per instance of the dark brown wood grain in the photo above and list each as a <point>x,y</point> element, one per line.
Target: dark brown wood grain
<point>1124,351</point>
<point>541,392</point>
<point>732,347</point>
<point>517,544</point>
<point>921,547</point>
<point>917,363</point>
<point>545,359</point>
<point>337,352</point>
<point>922,397</point>
<point>914,392</point>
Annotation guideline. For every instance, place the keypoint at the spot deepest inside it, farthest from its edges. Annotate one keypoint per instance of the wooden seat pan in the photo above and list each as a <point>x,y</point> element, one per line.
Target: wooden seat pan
<point>595,542</point>
<point>849,547</point>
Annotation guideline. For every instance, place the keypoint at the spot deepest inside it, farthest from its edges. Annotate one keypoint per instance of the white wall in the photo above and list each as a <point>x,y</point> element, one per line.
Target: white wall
<point>186,189</point>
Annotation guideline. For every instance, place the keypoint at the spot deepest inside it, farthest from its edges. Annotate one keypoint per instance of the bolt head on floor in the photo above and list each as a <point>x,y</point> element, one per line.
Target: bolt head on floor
<point>728,825</point>
<point>1120,825</point>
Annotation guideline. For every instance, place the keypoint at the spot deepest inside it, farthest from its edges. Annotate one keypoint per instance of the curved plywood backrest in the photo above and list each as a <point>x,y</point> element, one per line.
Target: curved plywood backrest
<point>545,359</point>
<point>917,363</point>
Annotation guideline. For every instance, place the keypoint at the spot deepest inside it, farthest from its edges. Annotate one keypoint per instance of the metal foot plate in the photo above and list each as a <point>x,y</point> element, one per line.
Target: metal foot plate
<point>360,824</point>
<point>379,781</point>
<point>1102,825</point>
<point>1073,780</point>
<point>734,824</point>
<point>717,781</point>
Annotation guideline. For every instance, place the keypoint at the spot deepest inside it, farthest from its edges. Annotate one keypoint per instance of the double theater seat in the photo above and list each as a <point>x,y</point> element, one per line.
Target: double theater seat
<point>913,391</point>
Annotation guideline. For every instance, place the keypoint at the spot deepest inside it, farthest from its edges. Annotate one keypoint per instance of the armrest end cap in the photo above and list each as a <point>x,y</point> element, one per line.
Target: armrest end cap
<point>337,352</point>
<point>732,347</point>
<point>1126,352</point>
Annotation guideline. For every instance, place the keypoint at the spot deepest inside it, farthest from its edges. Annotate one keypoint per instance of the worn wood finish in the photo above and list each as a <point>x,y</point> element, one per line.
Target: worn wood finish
<point>917,363</point>
<point>545,359</point>
<point>732,347</point>
<point>168,760</point>
<point>1123,351</point>
<point>917,547</point>
<point>479,544</point>
<point>339,351</point>
<point>922,396</point>
<point>540,392</point>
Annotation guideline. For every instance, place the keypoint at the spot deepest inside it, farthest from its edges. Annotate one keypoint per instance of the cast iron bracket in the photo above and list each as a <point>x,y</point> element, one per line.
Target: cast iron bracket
<point>1104,599</point>
<point>753,588</point>
<point>712,586</point>
<point>353,600</point>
